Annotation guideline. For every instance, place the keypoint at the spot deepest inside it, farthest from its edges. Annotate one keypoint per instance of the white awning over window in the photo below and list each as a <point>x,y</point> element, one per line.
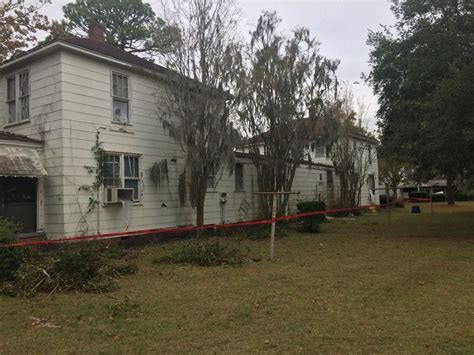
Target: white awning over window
<point>21,162</point>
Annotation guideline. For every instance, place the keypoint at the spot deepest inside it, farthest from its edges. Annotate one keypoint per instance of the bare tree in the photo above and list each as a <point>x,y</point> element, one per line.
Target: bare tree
<point>349,153</point>
<point>282,88</point>
<point>202,67</point>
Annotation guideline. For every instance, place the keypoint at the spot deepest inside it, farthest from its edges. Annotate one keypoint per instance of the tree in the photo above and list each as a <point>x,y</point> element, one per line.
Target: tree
<point>19,23</point>
<point>202,68</point>
<point>282,87</point>
<point>394,171</point>
<point>349,153</point>
<point>131,25</point>
<point>425,102</point>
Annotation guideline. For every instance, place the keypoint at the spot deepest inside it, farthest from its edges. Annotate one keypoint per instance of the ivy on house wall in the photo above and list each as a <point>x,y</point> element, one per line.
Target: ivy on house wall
<point>98,170</point>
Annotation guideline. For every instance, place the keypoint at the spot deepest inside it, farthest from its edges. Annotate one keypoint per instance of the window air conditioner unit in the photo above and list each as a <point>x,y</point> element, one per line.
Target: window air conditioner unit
<point>115,195</point>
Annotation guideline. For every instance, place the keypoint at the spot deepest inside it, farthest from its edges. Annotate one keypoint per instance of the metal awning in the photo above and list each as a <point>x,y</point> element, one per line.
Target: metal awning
<point>21,162</point>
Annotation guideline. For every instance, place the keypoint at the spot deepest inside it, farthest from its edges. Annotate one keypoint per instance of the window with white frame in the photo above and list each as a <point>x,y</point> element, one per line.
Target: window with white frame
<point>18,97</point>
<point>112,171</point>
<point>123,170</point>
<point>319,150</point>
<point>120,98</point>
<point>211,180</point>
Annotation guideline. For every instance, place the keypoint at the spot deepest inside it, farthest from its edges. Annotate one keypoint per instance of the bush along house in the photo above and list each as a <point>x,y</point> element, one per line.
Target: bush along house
<point>70,105</point>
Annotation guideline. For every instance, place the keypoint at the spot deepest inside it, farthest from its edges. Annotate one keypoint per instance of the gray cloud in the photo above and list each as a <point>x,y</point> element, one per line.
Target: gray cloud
<point>340,25</point>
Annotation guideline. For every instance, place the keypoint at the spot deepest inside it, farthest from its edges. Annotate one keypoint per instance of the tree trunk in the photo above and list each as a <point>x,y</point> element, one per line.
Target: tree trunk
<point>202,189</point>
<point>450,190</point>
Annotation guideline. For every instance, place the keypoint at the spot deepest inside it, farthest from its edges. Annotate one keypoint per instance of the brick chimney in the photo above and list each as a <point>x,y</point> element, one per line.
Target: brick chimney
<point>96,32</point>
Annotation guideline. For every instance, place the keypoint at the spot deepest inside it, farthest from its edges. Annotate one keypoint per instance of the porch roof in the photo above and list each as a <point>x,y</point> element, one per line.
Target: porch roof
<point>21,162</point>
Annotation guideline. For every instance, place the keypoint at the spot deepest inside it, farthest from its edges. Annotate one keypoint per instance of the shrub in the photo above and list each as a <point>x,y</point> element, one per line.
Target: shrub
<point>439,198</point>
<point>311,223</point>
<point>463,196</point>
<point>88,268</point>
<point>383,199</point>
<point>10,258</point>
<point>204,254</point>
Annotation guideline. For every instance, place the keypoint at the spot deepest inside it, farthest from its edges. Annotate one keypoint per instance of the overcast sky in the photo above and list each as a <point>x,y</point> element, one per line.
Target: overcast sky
<point>340,25</point>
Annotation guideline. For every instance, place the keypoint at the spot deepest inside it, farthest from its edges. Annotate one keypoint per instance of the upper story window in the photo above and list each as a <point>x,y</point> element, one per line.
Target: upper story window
<point>211,180</point>
<point>370,154</point>
<point>120,98</point>
<point>18,97</point>
<point>319,152</point>
<point>318,149</point>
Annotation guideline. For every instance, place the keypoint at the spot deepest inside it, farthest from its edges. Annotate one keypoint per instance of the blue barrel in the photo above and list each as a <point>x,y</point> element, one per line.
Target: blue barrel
<point>415,209</point>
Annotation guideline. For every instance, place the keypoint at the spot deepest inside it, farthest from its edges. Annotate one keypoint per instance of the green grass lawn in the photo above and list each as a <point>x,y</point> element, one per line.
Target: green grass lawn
<point>359,286</point>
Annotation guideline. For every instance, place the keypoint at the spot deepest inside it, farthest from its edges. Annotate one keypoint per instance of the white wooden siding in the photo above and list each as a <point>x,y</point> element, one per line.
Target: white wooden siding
<point>70,101</point>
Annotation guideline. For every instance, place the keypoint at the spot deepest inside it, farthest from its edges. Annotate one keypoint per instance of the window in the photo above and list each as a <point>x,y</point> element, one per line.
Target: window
<point>131,174</point>
<point>120,98</point>
<point>239,177</point>
<point>18,97</point>
<point>11,100</point>
<point>211,180</point>
<point>24,95</point>
<point>121,170</point>
<point>112,171</point>
<point>319,151</point>
<point>370,154</point>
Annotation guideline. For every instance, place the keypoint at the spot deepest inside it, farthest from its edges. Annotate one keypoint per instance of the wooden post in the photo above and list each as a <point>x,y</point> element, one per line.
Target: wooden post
<point>274,212</point>
<point>387,193</point>
<point>272,235</point>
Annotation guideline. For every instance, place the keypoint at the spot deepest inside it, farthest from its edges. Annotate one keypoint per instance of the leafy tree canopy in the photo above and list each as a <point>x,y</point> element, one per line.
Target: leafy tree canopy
<point>131,25</point>
<point>420,68</point>
<point>19,23</point>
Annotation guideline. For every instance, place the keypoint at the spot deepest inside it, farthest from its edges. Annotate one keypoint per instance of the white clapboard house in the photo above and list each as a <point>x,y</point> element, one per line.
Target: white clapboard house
<point>57,98</point>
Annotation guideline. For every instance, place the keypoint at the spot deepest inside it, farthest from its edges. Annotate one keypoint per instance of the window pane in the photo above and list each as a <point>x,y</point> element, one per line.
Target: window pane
<point>319,151</point>
<point>134,185</point>
<point>11,88</point>
<point>24,107</point>
<point>114,84</point>
<point>120,111</point>
<point>24,87</point>
<point>211,181</point>
<point>120,85</point>
<point>11,112</point>
<point>112,170</point>
<point>131,166</point>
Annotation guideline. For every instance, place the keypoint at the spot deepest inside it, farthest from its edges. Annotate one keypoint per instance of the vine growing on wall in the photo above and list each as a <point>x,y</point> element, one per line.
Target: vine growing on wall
<point>98,170</point>
<point>159,173</point>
